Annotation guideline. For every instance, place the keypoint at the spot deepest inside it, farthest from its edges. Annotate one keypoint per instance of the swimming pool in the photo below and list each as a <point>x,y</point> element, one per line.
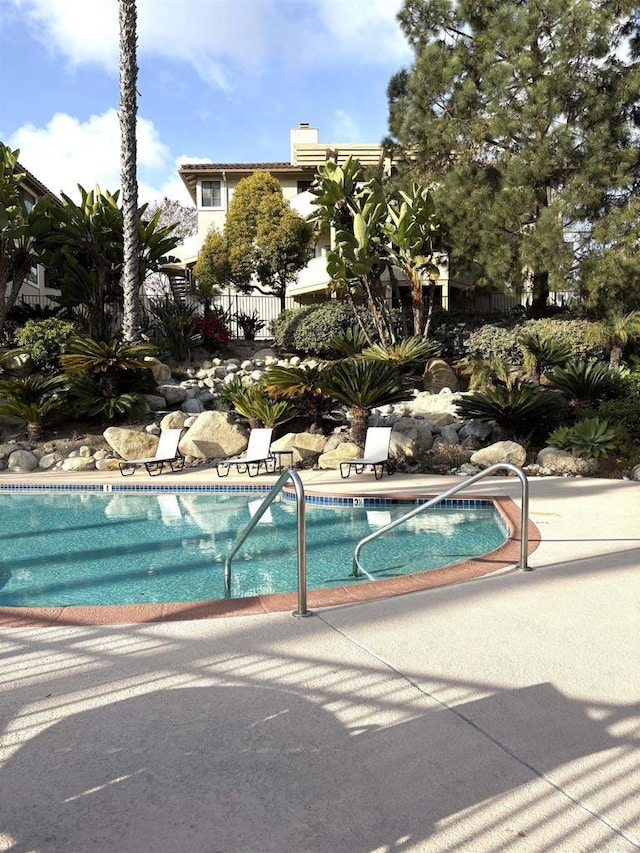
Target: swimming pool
<point>88,547</point>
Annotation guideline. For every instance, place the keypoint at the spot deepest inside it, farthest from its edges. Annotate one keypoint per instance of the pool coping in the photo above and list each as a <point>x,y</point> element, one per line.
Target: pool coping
<point>502,557</point>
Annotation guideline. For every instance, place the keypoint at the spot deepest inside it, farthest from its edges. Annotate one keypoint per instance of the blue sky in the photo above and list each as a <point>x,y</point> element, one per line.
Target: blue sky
<point>220,80</point>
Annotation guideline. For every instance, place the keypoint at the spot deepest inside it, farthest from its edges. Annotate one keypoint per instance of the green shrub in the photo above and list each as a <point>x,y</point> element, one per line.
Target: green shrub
<point>625,414</point>
<point>44,340</point>
<point>493,341</point>
<point>309,330</point>
<point>501,339</point>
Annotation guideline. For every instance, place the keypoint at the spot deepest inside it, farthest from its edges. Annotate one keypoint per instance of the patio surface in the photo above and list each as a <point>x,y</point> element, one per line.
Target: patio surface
<point>500,713</point>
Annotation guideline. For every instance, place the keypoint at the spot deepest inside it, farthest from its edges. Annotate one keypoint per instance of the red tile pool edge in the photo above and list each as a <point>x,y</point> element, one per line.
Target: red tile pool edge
<point>118,614</point>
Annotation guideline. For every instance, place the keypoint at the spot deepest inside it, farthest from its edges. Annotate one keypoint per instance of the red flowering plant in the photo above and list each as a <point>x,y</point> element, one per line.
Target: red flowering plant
<point>210,331</point>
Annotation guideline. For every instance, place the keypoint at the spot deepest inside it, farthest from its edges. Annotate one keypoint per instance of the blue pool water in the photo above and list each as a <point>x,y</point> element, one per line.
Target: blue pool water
<point>63,548</point>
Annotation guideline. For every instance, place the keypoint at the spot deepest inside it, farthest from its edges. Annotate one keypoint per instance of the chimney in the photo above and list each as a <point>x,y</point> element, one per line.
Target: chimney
<point>302,135</point>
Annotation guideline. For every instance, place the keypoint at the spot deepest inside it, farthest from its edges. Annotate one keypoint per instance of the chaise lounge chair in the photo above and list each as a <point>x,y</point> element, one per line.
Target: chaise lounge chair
<point>375,456</point>
<point>166,454</point>
<point>256,456</point>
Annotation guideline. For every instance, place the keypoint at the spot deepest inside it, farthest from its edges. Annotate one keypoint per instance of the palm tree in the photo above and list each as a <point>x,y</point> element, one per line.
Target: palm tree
<point>362,385</point>
<point>128,176</point>
<point>616,332</point>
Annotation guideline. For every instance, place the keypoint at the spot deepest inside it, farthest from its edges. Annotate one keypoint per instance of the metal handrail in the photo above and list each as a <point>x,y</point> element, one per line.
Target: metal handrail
<point>524,513</point>
<point>287,474</point>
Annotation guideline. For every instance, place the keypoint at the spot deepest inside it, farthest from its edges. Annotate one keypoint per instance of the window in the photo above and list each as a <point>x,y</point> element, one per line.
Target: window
<point>29,200</point>
<point>211,194</point>
<point>304,185</point>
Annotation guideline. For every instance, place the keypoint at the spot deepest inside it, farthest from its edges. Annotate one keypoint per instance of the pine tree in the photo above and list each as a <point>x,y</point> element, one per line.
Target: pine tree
<point>520,115</point>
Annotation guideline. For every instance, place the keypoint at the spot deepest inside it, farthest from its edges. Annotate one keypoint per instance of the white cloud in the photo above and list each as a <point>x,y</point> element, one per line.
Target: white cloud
<point>68,152</point>
<point>224,39</point>
<point>344,127</point>
<point>364,29</point>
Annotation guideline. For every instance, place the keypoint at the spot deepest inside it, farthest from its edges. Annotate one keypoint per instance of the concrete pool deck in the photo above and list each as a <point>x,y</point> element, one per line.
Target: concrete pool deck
<point>500,713</point>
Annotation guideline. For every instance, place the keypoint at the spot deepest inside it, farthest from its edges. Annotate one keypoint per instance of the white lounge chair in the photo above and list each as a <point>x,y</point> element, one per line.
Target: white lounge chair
<point>166,454</point>
<point>256,456</point>
<point>375,456</point>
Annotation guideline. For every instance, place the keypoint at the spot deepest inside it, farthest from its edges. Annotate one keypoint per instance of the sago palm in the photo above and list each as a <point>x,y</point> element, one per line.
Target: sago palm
<point>361,386</point>
<point>616,332</point>
<point>33,400</point>
<point>304,383</point>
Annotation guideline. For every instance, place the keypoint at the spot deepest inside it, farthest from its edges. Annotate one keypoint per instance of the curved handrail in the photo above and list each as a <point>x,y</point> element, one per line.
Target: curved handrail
<point>524,513</point>
<point>287,474</point>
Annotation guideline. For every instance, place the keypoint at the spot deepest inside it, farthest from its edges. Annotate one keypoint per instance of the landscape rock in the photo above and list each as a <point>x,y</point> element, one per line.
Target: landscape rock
<point>131,443</point>
<point>22,462</point>
<point>48,460</point>
<point>557,461</point>
<point>155,402</point>
<point>501,451</point>
<point>344,452</point>
<point>214,435</point>
<point>476,429</point>
<point>161,372</point>
<point>19,365</point>
<point>303,445</point>
<point>439,375</point>
<point>418,431</point>
<point>173,394</point>
<point>174,420</point>
<point>78,463</point>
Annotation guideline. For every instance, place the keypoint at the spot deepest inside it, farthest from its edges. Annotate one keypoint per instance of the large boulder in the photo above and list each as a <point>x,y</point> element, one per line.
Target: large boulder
<point>155,402</point>
<point>476,429</point>
<point>214,435</point>
<point>19,365</point>
<point>417,430</point>
<point>303,445</point>
<point>344,452</point>
<point>438,375</point>
<point>173,394</point>
<point>556,461</point>
<point>131,443</point>
<point>501,451</point>
<point>174,420</point>
<point>161,372</point>
<point>403,447</point>
<point>22,462</point>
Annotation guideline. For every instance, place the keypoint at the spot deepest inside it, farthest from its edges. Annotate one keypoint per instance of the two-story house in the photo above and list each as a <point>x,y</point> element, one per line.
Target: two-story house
<point>35,290</point>
<point>211,186</point>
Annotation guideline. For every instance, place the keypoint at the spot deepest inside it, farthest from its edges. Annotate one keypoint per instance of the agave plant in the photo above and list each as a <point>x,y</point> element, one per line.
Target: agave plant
<point>405,353</point>
<point>592,438</point>
<point>520,408</point>
<point>33,400</point>
<point>542,352</point>
<point>304,383</point>
<point>582,382</point>
<point>361,386</point>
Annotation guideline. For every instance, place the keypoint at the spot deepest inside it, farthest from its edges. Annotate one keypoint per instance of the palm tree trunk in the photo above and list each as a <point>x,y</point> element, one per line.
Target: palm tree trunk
<point>128,174</point>
<point>359,424</point>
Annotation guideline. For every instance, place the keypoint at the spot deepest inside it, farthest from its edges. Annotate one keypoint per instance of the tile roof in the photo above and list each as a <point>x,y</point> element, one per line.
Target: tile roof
<point>240,167</point>
<point>37,185</point>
